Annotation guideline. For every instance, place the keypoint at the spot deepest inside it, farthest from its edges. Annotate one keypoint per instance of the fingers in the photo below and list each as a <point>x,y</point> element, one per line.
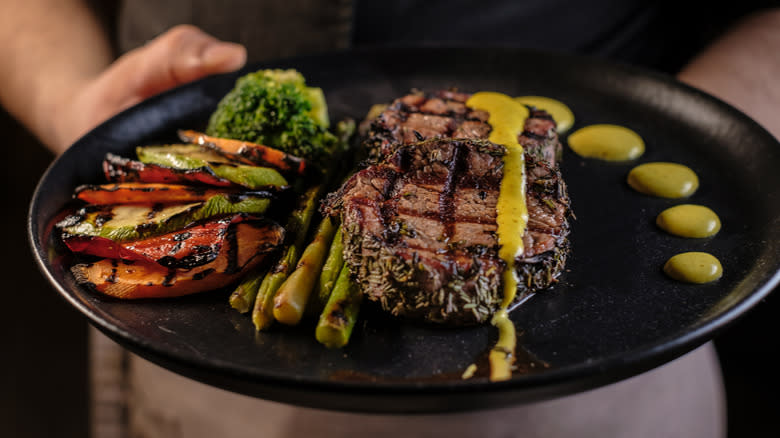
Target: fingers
<point>180,55</point>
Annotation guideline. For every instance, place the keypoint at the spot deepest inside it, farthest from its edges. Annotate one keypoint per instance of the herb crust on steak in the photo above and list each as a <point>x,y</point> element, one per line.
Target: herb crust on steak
<point>419,224</point>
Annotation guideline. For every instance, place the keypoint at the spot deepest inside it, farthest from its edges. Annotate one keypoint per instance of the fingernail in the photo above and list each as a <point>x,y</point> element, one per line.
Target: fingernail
<point>224,56</point>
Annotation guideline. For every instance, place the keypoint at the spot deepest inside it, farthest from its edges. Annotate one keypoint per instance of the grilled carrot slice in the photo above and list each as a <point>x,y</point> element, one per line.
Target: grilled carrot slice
<point>248,152</point>
<point>145,193</point>
<point>135,280</point>
<point>120,169</point>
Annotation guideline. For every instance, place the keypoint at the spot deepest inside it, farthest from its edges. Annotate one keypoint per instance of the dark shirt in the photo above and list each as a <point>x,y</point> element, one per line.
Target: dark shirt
<point>627,30</point>
<point>656,34</point>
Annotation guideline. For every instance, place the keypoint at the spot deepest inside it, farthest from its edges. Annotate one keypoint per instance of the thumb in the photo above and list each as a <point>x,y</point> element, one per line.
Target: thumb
<point>180,55</point>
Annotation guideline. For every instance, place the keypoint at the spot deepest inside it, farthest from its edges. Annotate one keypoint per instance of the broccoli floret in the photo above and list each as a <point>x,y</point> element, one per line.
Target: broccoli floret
<point>277,109</point>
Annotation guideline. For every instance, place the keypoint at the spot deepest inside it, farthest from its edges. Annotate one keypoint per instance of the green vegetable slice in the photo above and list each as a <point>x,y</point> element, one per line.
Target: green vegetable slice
<point>195,157</point>
<point>123,223</point>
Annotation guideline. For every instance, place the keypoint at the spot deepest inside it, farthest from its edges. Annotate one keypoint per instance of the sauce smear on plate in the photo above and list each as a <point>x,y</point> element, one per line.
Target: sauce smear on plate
<point>689,220</point>
<point>563,116</point>
<point>665,180</point>
<point>694,267</point>
<point>607,142</point>
<point>507,118</point>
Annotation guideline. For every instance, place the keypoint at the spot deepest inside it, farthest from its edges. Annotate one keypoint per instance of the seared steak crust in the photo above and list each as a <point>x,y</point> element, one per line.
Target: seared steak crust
<point>420,222</point>
<point>420,229</point>
<point>443,114</point>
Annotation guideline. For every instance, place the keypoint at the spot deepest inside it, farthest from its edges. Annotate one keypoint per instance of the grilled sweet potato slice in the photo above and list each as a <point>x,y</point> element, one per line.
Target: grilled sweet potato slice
<point>247,152</point>
<point>241,252</point>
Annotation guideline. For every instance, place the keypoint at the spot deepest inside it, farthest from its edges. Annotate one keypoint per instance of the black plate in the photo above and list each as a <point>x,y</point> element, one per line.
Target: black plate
<point>613,315</point>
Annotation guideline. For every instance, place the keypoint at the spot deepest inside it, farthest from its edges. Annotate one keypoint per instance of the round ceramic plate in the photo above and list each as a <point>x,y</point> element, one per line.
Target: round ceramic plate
<point>613,314</point>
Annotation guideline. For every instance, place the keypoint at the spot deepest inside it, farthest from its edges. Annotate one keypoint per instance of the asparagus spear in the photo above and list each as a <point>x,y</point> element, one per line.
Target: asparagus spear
<point>330,271</point>
<point>290,311</point>
<point>262,314</point>
<point>340,314</point>
<point>297,226</point>
<point>290,301</point>
<point>244,296</point>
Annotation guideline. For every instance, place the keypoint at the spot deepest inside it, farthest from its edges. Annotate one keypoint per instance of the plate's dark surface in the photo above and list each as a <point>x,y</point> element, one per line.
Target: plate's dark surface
<point>613,315</point>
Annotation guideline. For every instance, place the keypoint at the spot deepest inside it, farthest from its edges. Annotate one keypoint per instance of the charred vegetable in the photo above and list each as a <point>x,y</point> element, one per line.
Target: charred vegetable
<point>133,280</point>
<point>263,310</point>
<point>291,304</point>
<point>187,248</point>
<point>248,152</point>
<point>120,169</point>
<point>194,157</point>
<point>243,297</point>
<point>330,271</point>
<point>184,218</point>
<point>341,312</point>
<point>293,295</point>
<point>147,193</point>
<point>297,227</point>
<point>122,223</point>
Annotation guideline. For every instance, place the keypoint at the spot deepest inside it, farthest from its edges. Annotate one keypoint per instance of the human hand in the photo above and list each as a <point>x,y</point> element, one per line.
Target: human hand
<point>180,55</point>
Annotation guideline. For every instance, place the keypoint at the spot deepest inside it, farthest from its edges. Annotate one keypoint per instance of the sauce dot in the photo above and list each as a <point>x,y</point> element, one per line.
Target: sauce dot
<point>666,180</point>
<point>694,267</point>
<point>607,142</point>
<point>563,116</point>
<point>689,220</point>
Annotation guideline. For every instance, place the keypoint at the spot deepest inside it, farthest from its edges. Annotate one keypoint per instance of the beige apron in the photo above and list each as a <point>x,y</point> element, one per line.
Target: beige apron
<point>135,398</point>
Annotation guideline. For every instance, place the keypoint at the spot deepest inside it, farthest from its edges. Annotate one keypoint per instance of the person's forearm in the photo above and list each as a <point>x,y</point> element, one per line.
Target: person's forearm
<point>60,79</point>
<point>50,48</point>
<point>743,68</point>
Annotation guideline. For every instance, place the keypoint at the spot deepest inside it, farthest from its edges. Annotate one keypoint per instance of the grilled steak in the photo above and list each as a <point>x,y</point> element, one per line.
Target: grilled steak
<point>444,114</point>
<point>420,223</point>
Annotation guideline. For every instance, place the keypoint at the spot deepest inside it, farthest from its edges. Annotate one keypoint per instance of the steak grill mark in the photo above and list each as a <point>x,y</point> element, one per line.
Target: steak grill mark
<point>419,225</point>
<point>403,215</point>
<point>443,114</point>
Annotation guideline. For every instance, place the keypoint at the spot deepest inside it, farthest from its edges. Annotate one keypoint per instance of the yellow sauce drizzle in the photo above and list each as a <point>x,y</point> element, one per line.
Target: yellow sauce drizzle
<point>561,113</point>
<point>507,118</point>
<point>469,373</point>
<point>607,142</point>
<point>666,180</point>
<point>694,267</point>
<point>689,220</point>
<point>502,355</point>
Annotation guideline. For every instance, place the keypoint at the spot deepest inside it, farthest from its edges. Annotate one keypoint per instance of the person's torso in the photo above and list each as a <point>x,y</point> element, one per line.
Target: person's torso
<point>635,31</point>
